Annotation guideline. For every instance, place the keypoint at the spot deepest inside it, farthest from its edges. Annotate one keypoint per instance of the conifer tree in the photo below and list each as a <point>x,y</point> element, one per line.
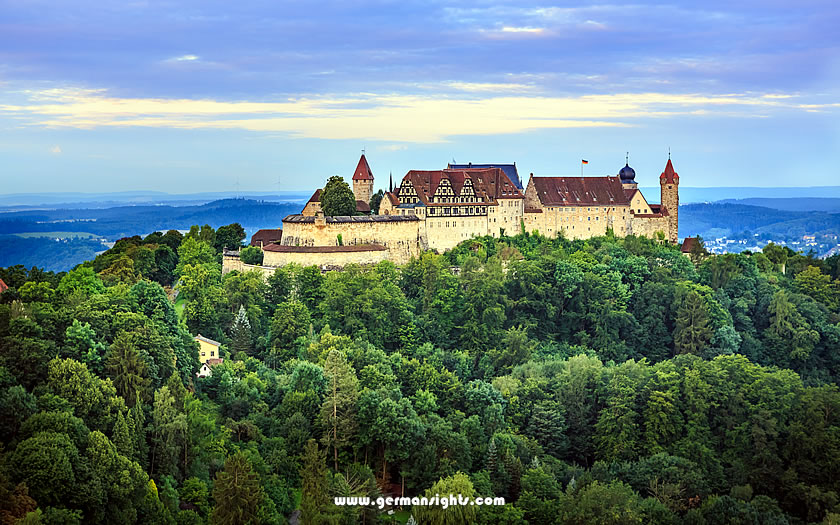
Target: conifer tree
<point>314,484</point>
<point>241,333</point>
<point>123,438</point>
<point>692,332</point>
<point>237,492</point>
<point>338,412</point>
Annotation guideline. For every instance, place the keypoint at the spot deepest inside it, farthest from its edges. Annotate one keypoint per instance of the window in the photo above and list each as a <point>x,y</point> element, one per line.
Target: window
<point>202,354</point>
<point>212,353</point>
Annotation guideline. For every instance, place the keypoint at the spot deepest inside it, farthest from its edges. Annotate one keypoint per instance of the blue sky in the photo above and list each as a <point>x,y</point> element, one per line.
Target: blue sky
<point>199,95</point>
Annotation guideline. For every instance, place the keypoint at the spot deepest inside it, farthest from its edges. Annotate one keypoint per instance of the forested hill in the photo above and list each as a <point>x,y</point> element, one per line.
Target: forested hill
<point>612,381</point>
<point>125,221</point>
<point>727,219</point>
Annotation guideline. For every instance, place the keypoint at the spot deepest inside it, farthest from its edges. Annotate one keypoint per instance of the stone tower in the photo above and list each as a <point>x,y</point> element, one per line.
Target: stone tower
<point>669,183</point>
<point>363,181</point>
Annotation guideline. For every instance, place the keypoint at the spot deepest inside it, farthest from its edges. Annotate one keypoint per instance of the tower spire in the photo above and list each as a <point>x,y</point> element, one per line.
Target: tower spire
<point>391,184</point>
<point>627,159</point>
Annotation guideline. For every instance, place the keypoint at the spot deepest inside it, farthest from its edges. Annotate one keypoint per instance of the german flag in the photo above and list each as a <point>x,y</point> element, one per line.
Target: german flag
<point>584,161</point>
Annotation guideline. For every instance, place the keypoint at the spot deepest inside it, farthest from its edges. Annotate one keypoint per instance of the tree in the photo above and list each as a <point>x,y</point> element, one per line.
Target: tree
<point>291,320</point>
<point>337,198</point>
<point>338,413</point>
<point>128,371</point>
<point>241,333</point>
<point>692,332</point>
<point>314,485</point>
<point>376,201</point>
<point>458,484</point>
<point>237,492</point>
<point>251,255</point>
<point>229,237</point>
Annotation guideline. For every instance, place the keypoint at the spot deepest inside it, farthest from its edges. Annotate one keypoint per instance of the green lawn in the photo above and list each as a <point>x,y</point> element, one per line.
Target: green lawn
<point>179,306</point>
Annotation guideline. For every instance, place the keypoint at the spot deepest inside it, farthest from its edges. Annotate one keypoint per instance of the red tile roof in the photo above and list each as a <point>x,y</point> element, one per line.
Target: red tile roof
<point>266,236</point>
<point>669,176</point>
<point>3,286</point>
<point>316,197</point>
<point>215,361</point>
<point>393,198</point>
<point>580,191</point>
<point>689,244</point>
<point>363,170</point>
<point>490,184</point>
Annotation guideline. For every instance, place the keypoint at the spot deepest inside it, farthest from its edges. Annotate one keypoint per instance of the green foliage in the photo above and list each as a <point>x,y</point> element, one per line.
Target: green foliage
<point>251,255</point>
<point>237,493</point>
<point>337,198</point>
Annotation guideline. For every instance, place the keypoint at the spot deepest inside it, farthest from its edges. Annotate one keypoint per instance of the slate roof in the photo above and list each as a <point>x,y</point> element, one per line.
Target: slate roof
<point>325,249</point>
<point>580,191</point>
<point>200,337</point>
<point>266,236</point>
<point>363,170</point>
<point>491,184</point>
<point>509,169</point>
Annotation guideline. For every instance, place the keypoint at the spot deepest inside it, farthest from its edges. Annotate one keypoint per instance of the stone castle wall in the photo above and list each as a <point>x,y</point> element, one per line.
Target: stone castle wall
<point>579,222</point>
<point>401,235</point>
<point>649,226</point>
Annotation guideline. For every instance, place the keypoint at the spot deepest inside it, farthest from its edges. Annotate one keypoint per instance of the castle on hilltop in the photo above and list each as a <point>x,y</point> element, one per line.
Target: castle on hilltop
<point>438,209</point>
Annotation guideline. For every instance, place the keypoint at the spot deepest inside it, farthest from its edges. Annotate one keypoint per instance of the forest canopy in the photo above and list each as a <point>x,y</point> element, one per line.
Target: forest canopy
<point>611,380</point>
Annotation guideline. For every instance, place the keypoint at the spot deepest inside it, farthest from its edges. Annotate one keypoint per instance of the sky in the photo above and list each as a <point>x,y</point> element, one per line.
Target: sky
<point>213,95</point>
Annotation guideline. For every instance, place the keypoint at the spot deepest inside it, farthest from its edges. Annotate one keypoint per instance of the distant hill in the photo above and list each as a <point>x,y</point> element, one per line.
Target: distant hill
<point>725,219</point>
<point>826,204</point>
<point>47,253</point>
<point>689,195</point>
<point>124,221</point>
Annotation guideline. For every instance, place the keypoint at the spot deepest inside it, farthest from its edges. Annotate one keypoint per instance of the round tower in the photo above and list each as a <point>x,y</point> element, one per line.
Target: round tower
<point>669,183</point>
<point>363,181</point>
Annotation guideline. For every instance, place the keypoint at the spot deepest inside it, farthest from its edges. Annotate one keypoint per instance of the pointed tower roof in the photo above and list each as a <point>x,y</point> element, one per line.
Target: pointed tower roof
<point>363,170</point>
<point>669,176</point>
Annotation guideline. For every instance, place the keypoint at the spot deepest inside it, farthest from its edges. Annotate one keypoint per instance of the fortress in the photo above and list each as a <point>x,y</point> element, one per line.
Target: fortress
<point>438,209</point>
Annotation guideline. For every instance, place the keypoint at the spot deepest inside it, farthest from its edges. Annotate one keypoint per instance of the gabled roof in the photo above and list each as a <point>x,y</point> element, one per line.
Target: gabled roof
<point>3,286</point>
<point>392,197</point>
<point>490,184</point>
<point>580,191</point>
<point>689,244</point>
<point>363,170</point>
<point>200,337</point>
<point>316,197</point>
<point>266,236</point>
<point>509,169</point>
<point>669,176</point>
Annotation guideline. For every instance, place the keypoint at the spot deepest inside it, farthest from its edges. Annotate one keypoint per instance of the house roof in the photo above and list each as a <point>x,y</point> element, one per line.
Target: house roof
<point>214,361</point>
<point>490,184</point>
<point>669,176</point>
<point>363,170</point>
<point>689,244</point>
<point>325,249</point>
<point>392,197</point>
<point>509,169</point>
<point>3,286</point>
<point>316,197</point>
<point>200,337</point>
<point>580,191</point>
<point>266,236</point>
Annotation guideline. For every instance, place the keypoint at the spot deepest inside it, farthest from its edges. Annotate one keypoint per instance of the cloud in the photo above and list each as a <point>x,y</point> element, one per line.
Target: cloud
<point>55,150</point>
<point>389,117</point>
<point>184,58</point>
